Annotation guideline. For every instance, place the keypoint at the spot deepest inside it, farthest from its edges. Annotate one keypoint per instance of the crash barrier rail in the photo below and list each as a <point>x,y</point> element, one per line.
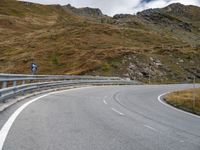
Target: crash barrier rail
<point>15,78</point>
<point>45,82</point>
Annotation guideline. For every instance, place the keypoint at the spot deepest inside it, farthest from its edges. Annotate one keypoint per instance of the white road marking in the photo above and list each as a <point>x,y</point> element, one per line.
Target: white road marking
<point>104,101</point>
<point>181,141</point>
<point>117,111</point>
<point>149,127</point>
<point>7,126</point>
<point>161,101</point>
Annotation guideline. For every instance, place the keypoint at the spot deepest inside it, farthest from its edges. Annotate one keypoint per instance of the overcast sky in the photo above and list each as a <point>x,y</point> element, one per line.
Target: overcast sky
<point>111,7</point>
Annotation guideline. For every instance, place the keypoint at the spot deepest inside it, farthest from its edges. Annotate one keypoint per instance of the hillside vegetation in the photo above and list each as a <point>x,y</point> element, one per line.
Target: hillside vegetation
<point>188,100</point>
<point>67,40</point>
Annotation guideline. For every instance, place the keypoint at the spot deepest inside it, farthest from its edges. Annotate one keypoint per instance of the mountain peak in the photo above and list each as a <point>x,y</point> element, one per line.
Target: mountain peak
<point>85,11</point>
<point>179,10</point>
<point>175,7</point>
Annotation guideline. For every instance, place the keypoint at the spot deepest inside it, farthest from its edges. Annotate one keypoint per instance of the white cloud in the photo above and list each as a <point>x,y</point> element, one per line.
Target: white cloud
<point>111,7</point>
<point>163,3</point>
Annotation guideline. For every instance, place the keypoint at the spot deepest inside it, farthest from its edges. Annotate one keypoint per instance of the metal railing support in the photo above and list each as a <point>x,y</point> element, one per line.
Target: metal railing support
<point>4,85</point>
<point>23,82</point>
<point>14,83</point>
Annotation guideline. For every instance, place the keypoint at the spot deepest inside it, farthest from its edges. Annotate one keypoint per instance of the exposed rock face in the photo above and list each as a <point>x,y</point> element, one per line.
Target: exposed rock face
<point>86,11</point>
<point>157,44</point>
<point>187,13</point>
<point>164,18</point>
<point>175,11</point>
<point>121,16</point>
<point>27,3</point>
<point>176,8</point>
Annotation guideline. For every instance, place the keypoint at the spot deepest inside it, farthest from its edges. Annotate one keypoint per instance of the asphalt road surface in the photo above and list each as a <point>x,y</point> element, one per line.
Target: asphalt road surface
<point>104,118</point>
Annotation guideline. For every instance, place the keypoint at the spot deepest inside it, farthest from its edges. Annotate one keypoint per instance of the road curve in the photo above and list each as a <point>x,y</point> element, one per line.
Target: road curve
<point>104,118</point>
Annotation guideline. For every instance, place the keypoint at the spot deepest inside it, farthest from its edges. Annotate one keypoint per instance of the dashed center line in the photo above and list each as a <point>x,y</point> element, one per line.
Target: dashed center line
<point>117,111</point>
<point>181,141</point>
<point>149,127</point>
<point>104,101</point>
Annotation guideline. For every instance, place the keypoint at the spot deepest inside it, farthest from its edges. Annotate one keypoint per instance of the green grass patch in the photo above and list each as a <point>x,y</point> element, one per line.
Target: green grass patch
<point>106,67</point>
<point>55,59</point>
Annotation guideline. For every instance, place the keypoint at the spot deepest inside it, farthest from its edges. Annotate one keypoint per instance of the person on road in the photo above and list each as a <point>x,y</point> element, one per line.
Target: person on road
<point>34,68</point>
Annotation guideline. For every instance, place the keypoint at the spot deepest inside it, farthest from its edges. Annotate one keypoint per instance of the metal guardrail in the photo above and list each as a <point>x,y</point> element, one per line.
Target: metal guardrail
<point>20,76</point>
<point>43,82</point>
<point>14,78</point>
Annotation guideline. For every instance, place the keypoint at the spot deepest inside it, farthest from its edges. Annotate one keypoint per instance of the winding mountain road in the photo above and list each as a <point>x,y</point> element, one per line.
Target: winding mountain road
<point>102,118</point>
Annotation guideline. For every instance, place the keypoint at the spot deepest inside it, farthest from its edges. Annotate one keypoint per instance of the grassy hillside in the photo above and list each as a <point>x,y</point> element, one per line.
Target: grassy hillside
<point>62,42</point>
<point>188,100</point>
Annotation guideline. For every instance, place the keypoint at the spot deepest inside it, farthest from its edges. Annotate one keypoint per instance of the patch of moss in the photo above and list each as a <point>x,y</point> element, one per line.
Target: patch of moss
<point>105,67</point>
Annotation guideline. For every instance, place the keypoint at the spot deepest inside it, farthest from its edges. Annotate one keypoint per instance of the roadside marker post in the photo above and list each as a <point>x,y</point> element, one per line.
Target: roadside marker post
<point>149,74</point>
<point>194,93</point>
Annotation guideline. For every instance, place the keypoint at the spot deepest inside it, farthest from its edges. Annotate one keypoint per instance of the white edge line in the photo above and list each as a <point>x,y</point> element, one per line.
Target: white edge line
<point>149,127</point>
<point>7,126</point>
<point>117,111</point>
<point>164,103</point>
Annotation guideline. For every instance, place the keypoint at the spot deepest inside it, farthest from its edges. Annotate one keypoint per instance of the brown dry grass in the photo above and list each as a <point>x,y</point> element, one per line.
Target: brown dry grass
<point>184,100</point>
<point>57,40</point>
<point>63,43</point>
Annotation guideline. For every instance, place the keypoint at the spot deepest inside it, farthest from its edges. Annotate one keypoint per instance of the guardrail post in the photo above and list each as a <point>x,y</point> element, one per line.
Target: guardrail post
<point>23,82</point>
<point>4,85</point>
<point>14,83</point>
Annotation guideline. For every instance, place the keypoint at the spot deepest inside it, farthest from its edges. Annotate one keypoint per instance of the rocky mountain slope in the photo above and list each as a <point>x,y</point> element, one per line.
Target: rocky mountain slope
<point>162,43</point>
<point>87,12</point>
